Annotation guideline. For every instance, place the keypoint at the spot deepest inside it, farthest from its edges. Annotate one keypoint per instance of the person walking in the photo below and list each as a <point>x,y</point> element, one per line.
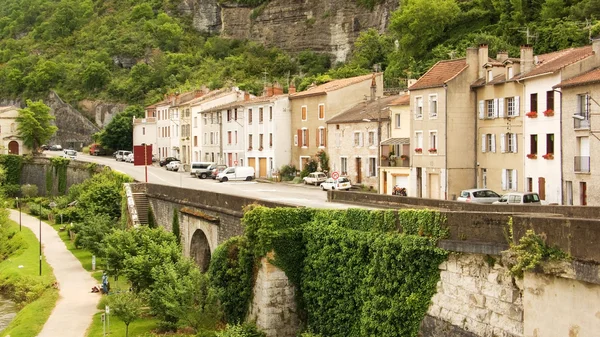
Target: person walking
<point>105,286</point>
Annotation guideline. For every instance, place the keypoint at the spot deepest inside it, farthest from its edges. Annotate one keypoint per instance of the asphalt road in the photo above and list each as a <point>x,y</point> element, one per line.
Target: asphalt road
<point>293,194</point>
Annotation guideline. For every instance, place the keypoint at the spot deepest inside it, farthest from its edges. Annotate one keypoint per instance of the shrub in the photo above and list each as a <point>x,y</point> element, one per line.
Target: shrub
<point>86,150</point>
<point>288,172</point>
<point>241,330</point>
<point>29,191</point>
<point>11,190</point>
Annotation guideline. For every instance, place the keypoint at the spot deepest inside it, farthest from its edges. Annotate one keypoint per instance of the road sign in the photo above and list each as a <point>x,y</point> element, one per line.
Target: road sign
<point>235,163</point>
<point>335,175</point>
<point>139,157</point>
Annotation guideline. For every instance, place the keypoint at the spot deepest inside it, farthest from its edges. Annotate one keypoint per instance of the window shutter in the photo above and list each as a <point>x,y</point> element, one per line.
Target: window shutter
<point>501,108</point>
<point>504,180</point>
<point>483,145</point>
<point>317,135</point>
<point>360,139</point>
<point>514,180</point>
<point>502,142</point>
<point>494,143</point>
<point>307,137</point>
<point>495,108</point>
<point>517,109</point>
<point>515,143</point>
<point>299,138</point>
<point>325,137</point>
<point>481,110</point>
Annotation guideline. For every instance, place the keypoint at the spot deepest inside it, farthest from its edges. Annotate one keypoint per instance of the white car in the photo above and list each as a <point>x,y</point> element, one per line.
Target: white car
<point>315,178</point>
<point>69,154</point>
<point>173,166</point>
<point>341,183</point>
<point>129,158</point>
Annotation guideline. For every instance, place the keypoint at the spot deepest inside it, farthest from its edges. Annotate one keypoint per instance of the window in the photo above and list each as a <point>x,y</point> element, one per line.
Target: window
<point>260,115</point>
<point>490,76</point>
<point>418,107</point>
<point>419,139</point>
<point>321,137</point>
<point>510,107</point>
<point>533,139</point>
<point>305,137</point>
<point>321,111</point>
<point>433,141</point>
<point>371,138</point>
<point>250,142</point>
<point>229,115</point>
<point>270,140</point>
<point>358,139</point>
<point>488,143</point>
<point>550,143</point>
<point>270,113</point>
<point>236,138</point>
<point>508,142</point>
<point>249,116</point>
<point>195,140</point>
<point>212,138</point>
<point>229,137</point>
<point>373,167</point>
<point>195,122</point>
<point>433,106</point>
<point>212,118</point>
<point>533,103</point>
<point>550,100</point>
<point>235,117</point>
<point>490,112</point>
<point>344,166</point>
<point>143,131</point>
<point>205,119</point>
<point>509,179</point>
<point>260,141</point>
<point>510,73</point>
<point>304,113</point>
<point>582,120</point>
<point>397,118</point>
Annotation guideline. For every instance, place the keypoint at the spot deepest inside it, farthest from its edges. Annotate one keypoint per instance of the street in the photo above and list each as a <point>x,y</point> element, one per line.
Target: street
<point>293,194</point>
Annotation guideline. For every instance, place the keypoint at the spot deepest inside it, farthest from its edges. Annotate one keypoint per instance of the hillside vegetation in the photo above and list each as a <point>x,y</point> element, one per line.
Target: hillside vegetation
<point>136,51</point>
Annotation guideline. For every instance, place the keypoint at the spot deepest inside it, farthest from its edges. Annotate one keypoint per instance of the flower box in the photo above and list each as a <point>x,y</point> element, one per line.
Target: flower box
<point>532,156</point>
<point>549,113</point>
<point>532,114</point>
<point>418,150</point>
<point>404,157</point>
<point>260,148</point>
<point>250,148</point>
<point>432,150</point>
<point>548,156</point>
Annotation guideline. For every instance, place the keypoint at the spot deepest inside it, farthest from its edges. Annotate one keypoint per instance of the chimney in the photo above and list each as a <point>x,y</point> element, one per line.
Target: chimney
<point>373,87</point>
<point>246,96</point>
<point>473,63</point>
<point>596,47</point>
<point>292,89</point>
<point>269,90</point>
<point>410,82</point>
<point>483,59</point>
<point>526,58</point>
<point>502,56</point>
<point>277,89</point>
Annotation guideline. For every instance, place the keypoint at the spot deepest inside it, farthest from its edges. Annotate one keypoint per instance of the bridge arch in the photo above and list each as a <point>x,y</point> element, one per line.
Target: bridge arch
<point>200,250</point>
<point>200,235</point>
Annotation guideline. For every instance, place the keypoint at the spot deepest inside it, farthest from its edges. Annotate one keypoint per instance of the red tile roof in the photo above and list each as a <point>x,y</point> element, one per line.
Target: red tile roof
<point>402,100</point>
<point>592,76</point>
<point>331,86</point>
<point>440,73</point>
<point>552,62</point>
<point>364,110</point>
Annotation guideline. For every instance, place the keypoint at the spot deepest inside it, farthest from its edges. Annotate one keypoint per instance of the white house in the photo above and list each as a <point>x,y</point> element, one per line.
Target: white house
<point>10,143</point>
<point>163,130</point>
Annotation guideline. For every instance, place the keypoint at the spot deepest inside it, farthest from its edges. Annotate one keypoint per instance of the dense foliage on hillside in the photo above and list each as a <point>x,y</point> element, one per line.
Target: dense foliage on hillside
<point>136,51</point>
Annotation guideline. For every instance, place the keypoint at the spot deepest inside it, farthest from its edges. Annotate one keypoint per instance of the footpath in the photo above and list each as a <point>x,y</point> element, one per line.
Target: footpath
<point>76,305</point>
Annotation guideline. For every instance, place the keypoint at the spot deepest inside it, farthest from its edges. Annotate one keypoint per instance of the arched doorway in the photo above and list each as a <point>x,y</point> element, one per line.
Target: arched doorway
<point>13,147</point>
<point>200,250</point>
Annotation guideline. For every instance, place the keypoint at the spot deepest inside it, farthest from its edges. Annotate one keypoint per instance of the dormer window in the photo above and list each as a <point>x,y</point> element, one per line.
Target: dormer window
<point>509,73</point>
<point>490,77</point>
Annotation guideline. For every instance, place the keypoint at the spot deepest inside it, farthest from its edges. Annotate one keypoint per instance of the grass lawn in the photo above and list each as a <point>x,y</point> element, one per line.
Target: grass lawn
<point>141,327</point>
<point>30,320</point>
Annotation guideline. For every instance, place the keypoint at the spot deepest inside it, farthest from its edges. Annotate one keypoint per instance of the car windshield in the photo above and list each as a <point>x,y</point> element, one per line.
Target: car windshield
<point>343,180</point>
<point>464,194</point>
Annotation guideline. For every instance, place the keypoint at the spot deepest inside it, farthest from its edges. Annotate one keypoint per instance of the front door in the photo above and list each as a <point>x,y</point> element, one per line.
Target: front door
<point>252,162</point>
<point>542,187</point>
<point>358,170</point>
<point>385,182</point>
<point>434,186</point>
<point>230,159</point>
<point>569,192</point>
<point>13,147</point>
<point>419,183</point>
<point>583,193</point>
<point>262,167</point>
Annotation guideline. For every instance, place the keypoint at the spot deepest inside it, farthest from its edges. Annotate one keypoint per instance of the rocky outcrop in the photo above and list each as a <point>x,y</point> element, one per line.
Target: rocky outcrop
<point>74,130</point>
<point>292,25</point>
<point>100,112</point>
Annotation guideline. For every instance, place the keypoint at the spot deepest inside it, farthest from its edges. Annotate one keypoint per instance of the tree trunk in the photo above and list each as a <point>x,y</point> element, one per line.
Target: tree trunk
<point>126,330</point>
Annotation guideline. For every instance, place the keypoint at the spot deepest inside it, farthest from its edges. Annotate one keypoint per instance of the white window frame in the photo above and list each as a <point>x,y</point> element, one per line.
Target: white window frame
<point>509,180</point>
<point>432,99</point>
<point>419,107</point>
<point>398,120</point>
<point>344,165</point>
<point>372,166</point>
<point>196,121</point>
<point>321,137</point>
<point>419,140</point>
<point>304,137</point>
<point>371,138</point>
<point>433,141</point>
<point>358,139</point>
<point>509,71</point>
<point>490,111</point>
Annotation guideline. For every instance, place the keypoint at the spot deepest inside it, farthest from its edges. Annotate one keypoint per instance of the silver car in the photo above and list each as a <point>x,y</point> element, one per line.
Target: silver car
<point>478,196</point>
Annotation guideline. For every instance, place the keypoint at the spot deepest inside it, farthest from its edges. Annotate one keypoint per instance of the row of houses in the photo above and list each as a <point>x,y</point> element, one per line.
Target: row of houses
<point>503,123</point>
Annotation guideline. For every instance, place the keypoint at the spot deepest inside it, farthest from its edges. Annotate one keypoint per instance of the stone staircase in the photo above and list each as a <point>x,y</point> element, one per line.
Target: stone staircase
<point>141,205</point>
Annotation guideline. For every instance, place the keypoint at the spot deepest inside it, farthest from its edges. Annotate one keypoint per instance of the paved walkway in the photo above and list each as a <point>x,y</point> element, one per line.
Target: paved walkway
<point>76,305</point>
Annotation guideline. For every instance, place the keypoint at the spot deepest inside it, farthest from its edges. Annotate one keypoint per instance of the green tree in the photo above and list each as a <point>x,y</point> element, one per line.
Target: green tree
<point>127,307</point>
<point>92,231</point>
<point>96,75</point>
<point>34,125</point>
<point>175,224</point>
<point>118,134</point>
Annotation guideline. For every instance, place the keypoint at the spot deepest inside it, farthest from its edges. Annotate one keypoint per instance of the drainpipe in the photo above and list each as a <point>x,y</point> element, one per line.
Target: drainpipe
<point>446,141</point>
<point>475,164</point>
<point>562,177</point>
<point>523,135</point>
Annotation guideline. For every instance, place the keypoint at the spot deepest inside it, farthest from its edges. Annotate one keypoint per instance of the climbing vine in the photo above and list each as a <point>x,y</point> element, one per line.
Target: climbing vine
<point>59,165</point>
<point>13,165</point>
<point>175,225</point>
<point>355,273</point>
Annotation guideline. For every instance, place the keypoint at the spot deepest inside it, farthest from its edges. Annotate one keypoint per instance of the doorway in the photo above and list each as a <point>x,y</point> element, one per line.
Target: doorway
<point>434,186</point>
<point>484,178</point>
<point>385,182</point>
<point>529,185</point>
<point>542,187</point>
<point>569,189</point>
<point>358,170</point>
<point>252,162</point>
<point>419,183</point>
<point>583,193</point>
<point>262,167</point>
<point>13,147</point>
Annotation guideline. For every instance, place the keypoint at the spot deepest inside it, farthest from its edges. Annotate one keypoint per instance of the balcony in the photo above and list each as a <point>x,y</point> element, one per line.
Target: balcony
<point>582,164</point>
<point>399,162</point>
<point>581,122</point>
<point>148,120</point>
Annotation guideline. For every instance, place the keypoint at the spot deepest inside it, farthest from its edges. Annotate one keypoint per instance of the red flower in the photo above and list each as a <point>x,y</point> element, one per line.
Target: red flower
<point>433,150</point>
<point>549,113</point>
<point>532,156</point>
<point>532,114</point>
<point>418,150</point>
<point>548,156</point>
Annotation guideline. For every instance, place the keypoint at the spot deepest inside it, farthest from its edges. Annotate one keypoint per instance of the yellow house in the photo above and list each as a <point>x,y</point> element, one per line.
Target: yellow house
<point>396,151</point>
<point>313,107</point>
<point>11,143</point>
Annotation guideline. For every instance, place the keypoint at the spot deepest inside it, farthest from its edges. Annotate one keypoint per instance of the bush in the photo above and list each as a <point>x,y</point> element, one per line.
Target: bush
<point>29,191</point>
<point>288,172</point>
<point>11,190</point>
<point>243,330</point>
<point>86,150</point>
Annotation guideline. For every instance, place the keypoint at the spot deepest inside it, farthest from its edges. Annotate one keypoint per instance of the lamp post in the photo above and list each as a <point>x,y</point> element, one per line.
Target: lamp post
<point>40,239</point>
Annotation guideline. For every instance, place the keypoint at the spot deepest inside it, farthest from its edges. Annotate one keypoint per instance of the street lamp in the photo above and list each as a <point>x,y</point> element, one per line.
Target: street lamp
<point>40,216</point>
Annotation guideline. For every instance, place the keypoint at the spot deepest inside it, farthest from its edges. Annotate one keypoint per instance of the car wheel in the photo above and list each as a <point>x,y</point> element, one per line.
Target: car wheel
<point>248,178</point>
<point>224,179</point>
<point>203,176</point>
<point>333,188</point>
<point>323,188</point>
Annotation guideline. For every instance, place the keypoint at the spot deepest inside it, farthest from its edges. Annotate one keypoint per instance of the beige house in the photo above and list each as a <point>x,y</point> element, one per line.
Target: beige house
<point>581,137</point>
<point>354,137</point>
<point>499,124</point>
<point>396,151</point>
<point>444,127</point>
<point>182,108</point>
<point>313,107</point>
<point>11,143</point>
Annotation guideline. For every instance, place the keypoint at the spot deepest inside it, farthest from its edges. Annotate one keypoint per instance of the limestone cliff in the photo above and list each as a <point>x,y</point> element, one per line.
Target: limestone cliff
<point>292,25</point>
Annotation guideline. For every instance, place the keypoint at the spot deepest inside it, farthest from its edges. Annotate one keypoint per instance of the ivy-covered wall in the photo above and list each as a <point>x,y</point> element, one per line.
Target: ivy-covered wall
<point>355,274</point>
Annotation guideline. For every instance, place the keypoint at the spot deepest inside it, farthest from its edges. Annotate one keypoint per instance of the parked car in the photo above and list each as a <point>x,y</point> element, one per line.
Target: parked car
<point>341,183</point>
<point>45,147</point>
<point>201,169</point>
<point>478,196</point>
<point>129,158</point>
<point>97,150</point>
<point>173,165</point>
<point>519,198</point>
<point>237,173</point>
<point>315,178</point>
<point>216,169</point>
<point>121,155</point>
<point>167,160</point>
<point>56,148</point>
<point>70,154</point>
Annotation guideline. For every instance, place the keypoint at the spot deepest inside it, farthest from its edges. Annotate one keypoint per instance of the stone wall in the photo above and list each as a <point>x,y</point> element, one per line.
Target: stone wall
<point>100,112</point>
<point>74,130</point>
<point>273,306</point>
<point>34,173</point>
